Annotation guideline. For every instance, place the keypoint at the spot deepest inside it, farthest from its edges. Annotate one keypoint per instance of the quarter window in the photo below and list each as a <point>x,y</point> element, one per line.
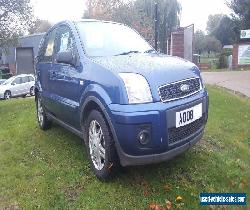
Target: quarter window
<point>47,50</point>
<point>31,79</point>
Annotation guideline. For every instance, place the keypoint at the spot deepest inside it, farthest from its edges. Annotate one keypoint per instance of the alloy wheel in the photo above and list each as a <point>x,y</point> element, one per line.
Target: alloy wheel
<point>40,111</point>
<point>96,145</point>
<point>7,95</point>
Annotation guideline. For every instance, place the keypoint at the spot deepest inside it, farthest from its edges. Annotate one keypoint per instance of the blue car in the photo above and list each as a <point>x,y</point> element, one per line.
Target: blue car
<point>130,105</point>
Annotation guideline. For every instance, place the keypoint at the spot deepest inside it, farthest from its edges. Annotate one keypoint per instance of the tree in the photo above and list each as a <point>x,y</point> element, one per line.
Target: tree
<point>15,19</point>
<point>226,32</point>
<point>222,28</point>
<point>212,44</point>
<point>101,8</point>
<point>39,26</point>
<point>199,42</point>
<point>205,43</point>
<point>241,14</point>
<point>214,22</point>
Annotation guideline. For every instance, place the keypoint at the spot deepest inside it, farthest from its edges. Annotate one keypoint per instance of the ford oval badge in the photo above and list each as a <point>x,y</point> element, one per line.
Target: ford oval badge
<point>184,88</point>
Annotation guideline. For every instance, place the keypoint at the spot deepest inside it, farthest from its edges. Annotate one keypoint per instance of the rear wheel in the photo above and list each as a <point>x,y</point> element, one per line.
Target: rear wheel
<point>42,119</point>
<point>100,145</point>
<point>7,95</point>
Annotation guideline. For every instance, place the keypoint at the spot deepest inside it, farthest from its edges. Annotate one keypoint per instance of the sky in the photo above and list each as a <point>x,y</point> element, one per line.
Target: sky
<point>193,11</point>
<point>197,11</point>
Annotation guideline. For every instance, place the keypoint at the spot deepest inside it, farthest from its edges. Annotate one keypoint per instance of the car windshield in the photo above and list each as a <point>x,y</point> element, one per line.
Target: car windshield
<point>110,39</point>
<point>8,81</point>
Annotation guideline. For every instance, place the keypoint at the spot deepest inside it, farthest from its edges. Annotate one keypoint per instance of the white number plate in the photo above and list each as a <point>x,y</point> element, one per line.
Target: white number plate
<point>189,115</point>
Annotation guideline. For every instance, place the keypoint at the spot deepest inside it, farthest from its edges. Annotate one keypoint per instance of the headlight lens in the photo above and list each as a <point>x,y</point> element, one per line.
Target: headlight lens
<point>137,88</point>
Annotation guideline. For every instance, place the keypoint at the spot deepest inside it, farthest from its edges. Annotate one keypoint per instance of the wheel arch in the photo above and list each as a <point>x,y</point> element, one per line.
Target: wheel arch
<point>90,103</point>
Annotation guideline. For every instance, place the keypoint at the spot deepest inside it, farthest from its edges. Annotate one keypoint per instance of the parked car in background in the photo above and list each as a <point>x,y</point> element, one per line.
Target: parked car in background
<point>131,105</point>
<point>20,85</point>
<point>2,81</point>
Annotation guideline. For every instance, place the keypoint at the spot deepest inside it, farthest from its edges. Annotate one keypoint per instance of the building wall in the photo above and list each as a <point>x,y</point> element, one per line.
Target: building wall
<point>26,41</point>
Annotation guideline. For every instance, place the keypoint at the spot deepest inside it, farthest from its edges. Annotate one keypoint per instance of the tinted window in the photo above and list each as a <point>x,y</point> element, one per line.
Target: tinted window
<point>25,79</point>
<point>47,49</point>
<point>18,80</point>
<point>107,39</point>
<point>31,79</point>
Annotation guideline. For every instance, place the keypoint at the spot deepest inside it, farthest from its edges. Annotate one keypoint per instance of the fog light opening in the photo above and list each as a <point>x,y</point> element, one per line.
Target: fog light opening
<point>143,137</point>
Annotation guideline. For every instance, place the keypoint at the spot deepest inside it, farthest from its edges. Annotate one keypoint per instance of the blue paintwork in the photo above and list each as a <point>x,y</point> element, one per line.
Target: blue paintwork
<point>64,95</point>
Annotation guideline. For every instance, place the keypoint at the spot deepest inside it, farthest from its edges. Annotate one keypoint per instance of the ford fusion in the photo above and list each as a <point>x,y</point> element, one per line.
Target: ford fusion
<point>130,104</point>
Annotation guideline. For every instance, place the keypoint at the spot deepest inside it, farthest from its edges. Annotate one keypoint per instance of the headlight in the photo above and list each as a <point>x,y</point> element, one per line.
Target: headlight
<point>137,88</point>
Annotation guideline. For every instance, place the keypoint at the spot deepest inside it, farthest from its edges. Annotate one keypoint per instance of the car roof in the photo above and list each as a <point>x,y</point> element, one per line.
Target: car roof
<point>87,20</point>
<point>95,20</point>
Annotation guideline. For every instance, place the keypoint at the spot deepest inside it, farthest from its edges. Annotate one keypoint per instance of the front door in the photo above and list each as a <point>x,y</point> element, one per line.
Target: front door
<point>43,69</point>
<point>64,79</point>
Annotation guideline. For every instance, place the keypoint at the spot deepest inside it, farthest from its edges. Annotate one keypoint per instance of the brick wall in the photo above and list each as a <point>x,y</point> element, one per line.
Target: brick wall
<point>12,68</point>
<point>177,44</point>
<point>235,56</point>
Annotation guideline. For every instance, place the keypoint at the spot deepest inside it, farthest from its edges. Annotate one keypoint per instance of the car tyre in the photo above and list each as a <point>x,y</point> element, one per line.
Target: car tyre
<point>32,91</point>
<point>7,95</point>
<point>43,121</point>
<point>100,146</point>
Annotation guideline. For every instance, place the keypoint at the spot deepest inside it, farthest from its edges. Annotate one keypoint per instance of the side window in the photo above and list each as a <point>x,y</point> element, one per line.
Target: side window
<point>25,79</point>
<point>17,81</point>
<point>65,40</point>
<point>47,49</point>
<point>31,79</point>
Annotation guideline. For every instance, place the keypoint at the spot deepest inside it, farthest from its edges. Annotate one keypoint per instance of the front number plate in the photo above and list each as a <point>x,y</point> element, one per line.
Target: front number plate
<point>188,115</point>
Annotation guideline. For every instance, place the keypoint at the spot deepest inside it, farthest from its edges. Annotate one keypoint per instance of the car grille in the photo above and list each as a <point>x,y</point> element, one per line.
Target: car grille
<point>174,90</point>
<point>177,134</point>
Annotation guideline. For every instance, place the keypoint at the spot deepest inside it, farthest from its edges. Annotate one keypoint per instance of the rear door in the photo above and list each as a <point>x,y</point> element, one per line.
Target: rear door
<point>16,87</point>
<point>25,85</point>
<point>64,79</point>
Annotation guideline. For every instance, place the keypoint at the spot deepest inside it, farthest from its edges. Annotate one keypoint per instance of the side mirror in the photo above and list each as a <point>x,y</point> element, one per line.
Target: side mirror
<point>66,57</point>
<point>13,83</point>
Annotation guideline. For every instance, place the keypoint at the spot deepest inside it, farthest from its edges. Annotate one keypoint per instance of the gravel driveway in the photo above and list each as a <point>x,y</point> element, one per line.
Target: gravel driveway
<point>233,80</point>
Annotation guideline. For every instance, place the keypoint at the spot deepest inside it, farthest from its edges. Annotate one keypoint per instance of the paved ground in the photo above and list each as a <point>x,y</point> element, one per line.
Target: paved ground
<point>233,80</point>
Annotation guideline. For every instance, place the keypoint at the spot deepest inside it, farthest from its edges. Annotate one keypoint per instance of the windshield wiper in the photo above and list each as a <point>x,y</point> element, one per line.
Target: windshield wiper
<point>150,51</point>
<point>126,53</point>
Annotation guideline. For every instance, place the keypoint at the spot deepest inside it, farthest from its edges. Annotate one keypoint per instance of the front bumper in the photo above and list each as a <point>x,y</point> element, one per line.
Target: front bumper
<point>159,118</point>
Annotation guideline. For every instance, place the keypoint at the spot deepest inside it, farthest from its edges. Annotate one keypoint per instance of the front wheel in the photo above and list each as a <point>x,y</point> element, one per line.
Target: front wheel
<point>42,119</point>
<point>7,95</point>
<point>32,91</point>
<point>100,145</point>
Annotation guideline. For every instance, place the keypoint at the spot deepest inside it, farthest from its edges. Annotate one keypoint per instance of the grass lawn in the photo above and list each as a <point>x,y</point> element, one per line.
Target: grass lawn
<point>50,170</point>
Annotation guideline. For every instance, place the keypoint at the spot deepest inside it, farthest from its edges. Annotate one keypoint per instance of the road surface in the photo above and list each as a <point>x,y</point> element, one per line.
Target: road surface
<point>234,80</point>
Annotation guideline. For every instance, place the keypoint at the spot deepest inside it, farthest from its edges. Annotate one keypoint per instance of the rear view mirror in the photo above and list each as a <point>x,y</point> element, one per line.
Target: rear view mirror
<point>66,57</point>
